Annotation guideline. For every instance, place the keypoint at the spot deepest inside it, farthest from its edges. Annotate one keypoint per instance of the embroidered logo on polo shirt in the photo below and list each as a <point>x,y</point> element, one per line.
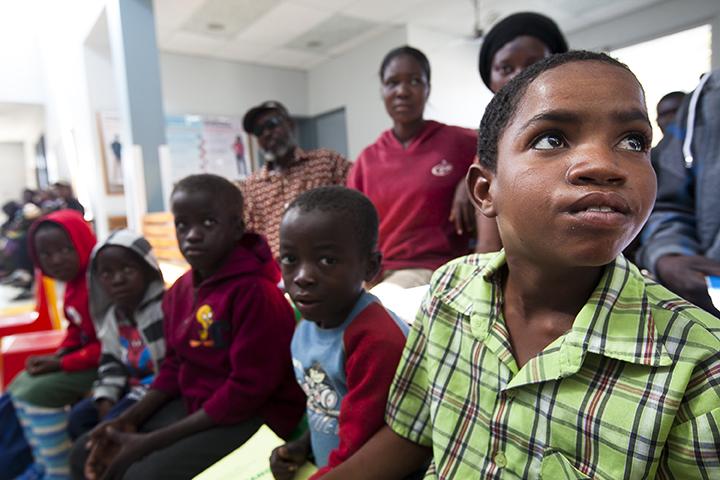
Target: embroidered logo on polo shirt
<point>442,169</point>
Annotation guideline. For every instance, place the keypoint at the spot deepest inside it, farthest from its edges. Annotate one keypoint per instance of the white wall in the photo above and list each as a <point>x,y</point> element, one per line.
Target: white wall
<point>201,85</point>
<point>21,79</point>
<point>12,164</point>
<point>457,96</point>
<point>102,96</point>
<point>351,81</point>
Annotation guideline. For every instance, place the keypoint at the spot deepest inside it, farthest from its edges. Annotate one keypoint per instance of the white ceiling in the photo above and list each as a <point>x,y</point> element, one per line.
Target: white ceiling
<point>302,33</point>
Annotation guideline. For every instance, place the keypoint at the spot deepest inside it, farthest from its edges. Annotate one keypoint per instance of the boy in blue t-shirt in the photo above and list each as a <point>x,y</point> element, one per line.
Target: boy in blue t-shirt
<point>346,348</point>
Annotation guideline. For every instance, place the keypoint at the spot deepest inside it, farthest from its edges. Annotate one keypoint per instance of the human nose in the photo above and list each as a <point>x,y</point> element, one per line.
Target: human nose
<point>193,235</point>
<point>403,89</point>
<point>304,276</point>
<point>596,165</point>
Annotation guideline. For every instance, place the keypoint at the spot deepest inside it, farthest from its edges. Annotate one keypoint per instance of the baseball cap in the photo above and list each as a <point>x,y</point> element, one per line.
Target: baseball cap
<point>254,113</point>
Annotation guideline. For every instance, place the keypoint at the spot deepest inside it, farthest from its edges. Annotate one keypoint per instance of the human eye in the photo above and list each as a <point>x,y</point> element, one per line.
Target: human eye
<point>104,274</point>
<point>635,142</point>
<point>328,261</point>
<point>416,81</point>
<point>506,69</point>
<point>180,224</point>
<point>287,259</point>
<point>209,222</point>
<point>549,141</point>
<point>390,83</point>
<point>129,270</point>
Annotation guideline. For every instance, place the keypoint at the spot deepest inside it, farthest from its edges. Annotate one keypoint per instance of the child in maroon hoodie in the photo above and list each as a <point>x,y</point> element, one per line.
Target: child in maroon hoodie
<point>60,244</point>
<point>227,368</point>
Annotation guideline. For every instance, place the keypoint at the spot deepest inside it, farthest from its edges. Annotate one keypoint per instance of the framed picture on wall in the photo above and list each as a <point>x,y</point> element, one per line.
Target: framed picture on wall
<point>111,150</point>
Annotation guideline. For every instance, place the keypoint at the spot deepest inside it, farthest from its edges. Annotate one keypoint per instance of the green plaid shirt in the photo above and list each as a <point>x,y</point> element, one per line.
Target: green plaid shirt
<point>631,391</point>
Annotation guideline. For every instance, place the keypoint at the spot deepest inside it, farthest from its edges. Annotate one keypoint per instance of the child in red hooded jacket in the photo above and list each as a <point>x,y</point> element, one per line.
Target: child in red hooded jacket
<point>60,244</point>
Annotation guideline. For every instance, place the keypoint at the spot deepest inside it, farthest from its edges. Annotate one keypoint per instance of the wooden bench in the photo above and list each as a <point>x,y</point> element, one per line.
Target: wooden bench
<point>159,229</point>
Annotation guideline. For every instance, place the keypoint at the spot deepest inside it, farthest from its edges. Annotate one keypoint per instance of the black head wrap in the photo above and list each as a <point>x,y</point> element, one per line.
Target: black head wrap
<point>517,25</point>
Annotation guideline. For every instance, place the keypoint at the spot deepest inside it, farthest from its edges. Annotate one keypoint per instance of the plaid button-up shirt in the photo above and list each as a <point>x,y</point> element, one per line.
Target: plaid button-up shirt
<point>631,391</point>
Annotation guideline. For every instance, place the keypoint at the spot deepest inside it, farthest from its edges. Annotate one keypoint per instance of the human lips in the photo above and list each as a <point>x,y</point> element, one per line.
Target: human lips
<point>193,251</point>
<point>600,208</point>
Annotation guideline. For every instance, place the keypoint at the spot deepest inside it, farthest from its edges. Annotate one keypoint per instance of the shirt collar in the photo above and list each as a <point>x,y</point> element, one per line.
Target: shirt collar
<point>616,322</point>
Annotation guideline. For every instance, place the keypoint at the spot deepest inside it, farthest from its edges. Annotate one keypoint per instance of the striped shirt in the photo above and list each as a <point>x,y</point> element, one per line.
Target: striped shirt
<point>631,391</point>
<point>267,193</point>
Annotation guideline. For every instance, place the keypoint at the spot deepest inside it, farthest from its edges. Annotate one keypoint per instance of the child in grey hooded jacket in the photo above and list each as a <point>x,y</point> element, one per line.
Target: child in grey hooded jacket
<point>126,290</point>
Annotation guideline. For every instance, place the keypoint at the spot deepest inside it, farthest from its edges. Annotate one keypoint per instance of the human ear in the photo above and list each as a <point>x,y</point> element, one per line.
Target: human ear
<point>373,266</point>
<point>479,179</point>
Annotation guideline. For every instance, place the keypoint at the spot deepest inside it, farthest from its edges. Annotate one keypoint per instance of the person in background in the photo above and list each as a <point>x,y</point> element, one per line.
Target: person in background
<point>347,347</point>
<point>413,174</point>
<point>667,108</point>
<point>681,241</point>
<point>64,193</point>
<point>509,47</point>
<point>126,290</point>
<point>60,244</point>
<point>288,170</point>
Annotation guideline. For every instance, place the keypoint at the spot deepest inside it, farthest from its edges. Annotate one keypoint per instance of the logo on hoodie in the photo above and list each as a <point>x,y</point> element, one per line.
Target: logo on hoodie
<point>211,332</point>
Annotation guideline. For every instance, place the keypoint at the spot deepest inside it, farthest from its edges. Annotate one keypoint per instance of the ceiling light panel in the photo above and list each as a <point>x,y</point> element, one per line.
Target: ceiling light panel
<point>331,33</point>
<point>233,16</point>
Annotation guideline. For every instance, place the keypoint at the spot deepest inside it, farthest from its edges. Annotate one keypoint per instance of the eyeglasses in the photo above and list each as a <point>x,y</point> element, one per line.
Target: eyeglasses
<point>270,123</point>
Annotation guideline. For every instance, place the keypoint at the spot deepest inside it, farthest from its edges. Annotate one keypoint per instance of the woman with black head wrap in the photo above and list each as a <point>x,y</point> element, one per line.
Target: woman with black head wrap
<point>512,45</point>
<point>515,43</point>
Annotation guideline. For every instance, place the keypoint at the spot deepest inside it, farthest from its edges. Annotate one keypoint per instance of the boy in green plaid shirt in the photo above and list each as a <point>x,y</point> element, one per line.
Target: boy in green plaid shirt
<point>555,358</point>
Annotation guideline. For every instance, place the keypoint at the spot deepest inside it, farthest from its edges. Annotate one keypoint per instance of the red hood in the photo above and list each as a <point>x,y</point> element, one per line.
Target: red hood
<point>77,229</point>
<point>251,256</point>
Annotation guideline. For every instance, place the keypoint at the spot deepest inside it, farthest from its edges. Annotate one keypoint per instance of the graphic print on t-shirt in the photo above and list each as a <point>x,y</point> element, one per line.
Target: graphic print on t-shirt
<point>323,402</point>
<point>135,355</point>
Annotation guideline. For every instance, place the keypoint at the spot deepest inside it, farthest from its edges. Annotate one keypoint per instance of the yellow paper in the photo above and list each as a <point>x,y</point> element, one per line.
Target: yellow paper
<point>252,460</point>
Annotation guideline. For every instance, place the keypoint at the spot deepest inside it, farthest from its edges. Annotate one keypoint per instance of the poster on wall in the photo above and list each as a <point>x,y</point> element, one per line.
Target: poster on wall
<point>204,144</point>
<point>109,128</point>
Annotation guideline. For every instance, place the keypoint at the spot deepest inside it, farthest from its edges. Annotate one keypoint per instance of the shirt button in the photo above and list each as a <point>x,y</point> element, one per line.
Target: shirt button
<point>500,460</point>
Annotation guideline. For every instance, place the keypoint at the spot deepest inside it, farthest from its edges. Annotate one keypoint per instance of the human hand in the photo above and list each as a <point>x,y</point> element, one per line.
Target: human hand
<point>103,406</point>
<point>685,275</point>
<point>40,364</point>
<point>103,449</point>
<point>132,447</point>
<point>462,212</point>
<point>287,459</point>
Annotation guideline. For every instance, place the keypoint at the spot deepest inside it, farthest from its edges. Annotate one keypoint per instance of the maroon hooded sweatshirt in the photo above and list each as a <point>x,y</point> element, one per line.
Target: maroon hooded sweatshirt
<point>80,350</point>
<point>228,342</point>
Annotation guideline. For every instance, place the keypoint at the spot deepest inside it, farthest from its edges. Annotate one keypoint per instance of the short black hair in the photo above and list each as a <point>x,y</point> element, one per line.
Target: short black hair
<point>214,185</point>
<point>675,94</point>
<point>354,207</point>
<point>409,51</point>
<point>504,104</point>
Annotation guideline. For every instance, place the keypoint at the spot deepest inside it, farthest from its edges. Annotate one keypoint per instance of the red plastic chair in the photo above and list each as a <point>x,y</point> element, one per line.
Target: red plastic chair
<point>15,349</point>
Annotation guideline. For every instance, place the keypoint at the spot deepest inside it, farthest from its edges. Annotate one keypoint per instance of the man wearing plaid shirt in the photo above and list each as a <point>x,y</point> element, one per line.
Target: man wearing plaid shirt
<point>556,358</point>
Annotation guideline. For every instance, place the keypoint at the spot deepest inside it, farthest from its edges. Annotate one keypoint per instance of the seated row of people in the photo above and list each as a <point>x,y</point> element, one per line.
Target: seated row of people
<point>554,358</point>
